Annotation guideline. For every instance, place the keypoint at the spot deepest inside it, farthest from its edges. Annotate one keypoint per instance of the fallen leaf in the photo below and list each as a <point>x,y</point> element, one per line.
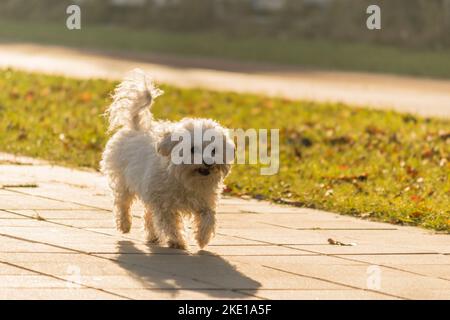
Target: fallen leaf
<point>29,96</point>
<point>416,214</point>
<point>360,177</point>
<point>338,243</point>
<point>341,140</point>
<point>411,171</point>
<point>427,154</point>
<point>86,96</point>
<point>374,130</point>
<point>444,135</point>
<point>22,135</point>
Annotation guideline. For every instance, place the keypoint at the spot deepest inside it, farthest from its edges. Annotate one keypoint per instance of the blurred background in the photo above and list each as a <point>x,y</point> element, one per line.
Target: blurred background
<point>319,34</point>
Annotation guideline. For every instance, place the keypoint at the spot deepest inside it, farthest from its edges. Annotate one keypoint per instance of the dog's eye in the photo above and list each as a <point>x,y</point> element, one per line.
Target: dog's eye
<point>192,149</point>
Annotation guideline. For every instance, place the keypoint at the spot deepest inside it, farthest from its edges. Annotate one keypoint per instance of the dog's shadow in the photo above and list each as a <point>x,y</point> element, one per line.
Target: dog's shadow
<point>174,270</point>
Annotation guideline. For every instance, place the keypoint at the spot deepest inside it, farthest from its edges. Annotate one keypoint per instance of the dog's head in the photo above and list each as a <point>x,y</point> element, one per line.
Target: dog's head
<point>200,152</point>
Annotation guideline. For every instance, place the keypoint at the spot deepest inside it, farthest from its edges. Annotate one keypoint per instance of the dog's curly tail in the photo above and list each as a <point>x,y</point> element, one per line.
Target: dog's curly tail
<point>131,101</point>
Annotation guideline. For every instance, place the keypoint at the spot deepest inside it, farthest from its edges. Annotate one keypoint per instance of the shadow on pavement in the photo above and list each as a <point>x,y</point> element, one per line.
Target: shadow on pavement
<point>165,268</point>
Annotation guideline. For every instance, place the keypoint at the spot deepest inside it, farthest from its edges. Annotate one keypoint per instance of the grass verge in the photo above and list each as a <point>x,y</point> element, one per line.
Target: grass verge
<point>299,52</point>
<point>376,164</point>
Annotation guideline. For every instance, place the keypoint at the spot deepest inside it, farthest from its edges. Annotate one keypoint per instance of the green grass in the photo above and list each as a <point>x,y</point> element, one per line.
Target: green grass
<point>299,52</point>
<point>376,164</point>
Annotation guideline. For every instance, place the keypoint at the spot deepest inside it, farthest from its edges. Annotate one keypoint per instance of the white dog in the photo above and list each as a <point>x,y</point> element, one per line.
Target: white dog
<point>138,163</point>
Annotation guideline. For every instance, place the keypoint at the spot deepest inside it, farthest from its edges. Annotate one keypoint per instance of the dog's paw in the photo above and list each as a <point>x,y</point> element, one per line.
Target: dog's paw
<point>177,245</point>
<point>123,226</point>
<point>203,238</point>
<point>153,239</point>
<point>203,241</point>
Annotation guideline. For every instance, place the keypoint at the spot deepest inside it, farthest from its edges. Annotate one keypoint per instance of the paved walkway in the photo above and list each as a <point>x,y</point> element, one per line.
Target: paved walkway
<point>57,241</point>
<point>422,96</point>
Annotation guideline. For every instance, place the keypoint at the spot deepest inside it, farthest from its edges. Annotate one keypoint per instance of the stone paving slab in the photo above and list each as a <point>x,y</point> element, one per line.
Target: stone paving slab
<point>322,295</point>
<point>57,241</point>
<point>183,294</point>
<point>55,294</point>
<point>405,259</point>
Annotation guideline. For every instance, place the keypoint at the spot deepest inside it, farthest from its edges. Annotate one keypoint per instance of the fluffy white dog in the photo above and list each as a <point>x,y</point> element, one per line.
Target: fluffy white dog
<point>138,163</point>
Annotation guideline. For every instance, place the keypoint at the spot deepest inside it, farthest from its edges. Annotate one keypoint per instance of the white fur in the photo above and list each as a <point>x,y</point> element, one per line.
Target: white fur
<point>137,163</point>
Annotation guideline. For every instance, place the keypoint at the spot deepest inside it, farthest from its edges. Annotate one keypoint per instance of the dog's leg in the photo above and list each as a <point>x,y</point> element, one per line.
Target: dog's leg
<point>152,236</point>
<point>205,226</point>
<point>171,223</point>
<point>122,202</point>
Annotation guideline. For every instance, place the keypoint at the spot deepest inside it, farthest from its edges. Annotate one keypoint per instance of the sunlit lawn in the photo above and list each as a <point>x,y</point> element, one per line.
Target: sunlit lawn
<point>375,164</point>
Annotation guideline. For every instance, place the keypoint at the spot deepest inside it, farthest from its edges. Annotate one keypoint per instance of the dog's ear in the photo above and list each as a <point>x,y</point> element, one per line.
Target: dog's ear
<point>166,145</point>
